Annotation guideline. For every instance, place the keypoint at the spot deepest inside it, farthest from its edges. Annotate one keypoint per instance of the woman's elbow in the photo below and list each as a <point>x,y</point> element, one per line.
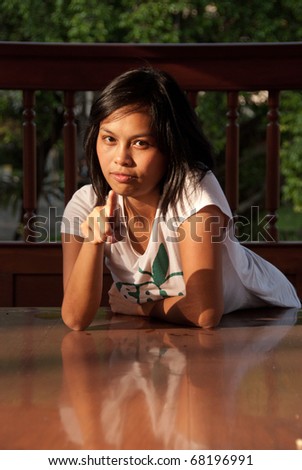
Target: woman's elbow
<point>209,321</point>
<point>200,313</point>
<point>74,322</point>
<point>209,318</point>
<point>75,326</point>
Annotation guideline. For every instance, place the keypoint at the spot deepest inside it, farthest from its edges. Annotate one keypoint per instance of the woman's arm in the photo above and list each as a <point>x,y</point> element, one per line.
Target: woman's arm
<point>200,247</point>
<point>83,278</point>
<point>83,266</point>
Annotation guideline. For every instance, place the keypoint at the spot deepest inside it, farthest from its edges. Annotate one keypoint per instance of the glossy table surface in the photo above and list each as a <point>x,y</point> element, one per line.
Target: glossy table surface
<point>132,383</point>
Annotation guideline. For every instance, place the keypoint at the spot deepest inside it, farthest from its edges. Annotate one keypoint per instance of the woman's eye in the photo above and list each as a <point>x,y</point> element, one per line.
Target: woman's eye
<point>141,143</point>
<point>108,139</point>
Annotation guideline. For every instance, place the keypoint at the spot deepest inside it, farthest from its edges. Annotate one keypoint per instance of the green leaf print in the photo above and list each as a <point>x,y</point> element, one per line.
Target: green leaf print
<point>144,272</point>
<point>157,278</point>
<point>135,294</point>
<point>119,285</point>
<point>160,266</point>
<point>163,293</point>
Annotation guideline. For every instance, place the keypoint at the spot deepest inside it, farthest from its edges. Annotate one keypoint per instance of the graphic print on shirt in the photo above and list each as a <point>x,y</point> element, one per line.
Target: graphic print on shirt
<point>157,277</point>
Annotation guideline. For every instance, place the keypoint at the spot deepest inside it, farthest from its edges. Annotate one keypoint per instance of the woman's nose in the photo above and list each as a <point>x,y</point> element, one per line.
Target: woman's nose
<point>123,156</point>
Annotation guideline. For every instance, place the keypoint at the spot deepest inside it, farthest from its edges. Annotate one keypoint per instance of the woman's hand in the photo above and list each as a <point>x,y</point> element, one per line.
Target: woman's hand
<point>119,304</point>
<point>103,224</point>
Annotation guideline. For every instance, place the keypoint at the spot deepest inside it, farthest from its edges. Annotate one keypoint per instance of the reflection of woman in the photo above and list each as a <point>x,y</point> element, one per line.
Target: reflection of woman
<point>175,389</point>
<point>122,385</point>
<point>82,376</point>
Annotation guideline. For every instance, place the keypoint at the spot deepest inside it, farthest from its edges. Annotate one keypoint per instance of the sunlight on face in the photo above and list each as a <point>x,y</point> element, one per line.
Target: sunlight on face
<point>129,156</point>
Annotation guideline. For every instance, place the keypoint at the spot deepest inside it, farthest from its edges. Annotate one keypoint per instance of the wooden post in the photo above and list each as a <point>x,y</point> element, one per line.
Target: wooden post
<point>70,134</point>
<point>273,164</point>
<point>232,152</point>
<point>192,98</point>
<point>29,163</point>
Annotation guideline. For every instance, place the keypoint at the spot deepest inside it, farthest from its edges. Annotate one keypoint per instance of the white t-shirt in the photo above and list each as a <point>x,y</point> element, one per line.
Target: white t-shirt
<point>248,280</point>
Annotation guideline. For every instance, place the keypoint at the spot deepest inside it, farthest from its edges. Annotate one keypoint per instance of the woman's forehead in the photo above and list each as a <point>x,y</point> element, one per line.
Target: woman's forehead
<point>126,110</point>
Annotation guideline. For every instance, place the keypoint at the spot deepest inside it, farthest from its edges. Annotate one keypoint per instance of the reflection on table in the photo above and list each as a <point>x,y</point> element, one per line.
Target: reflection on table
<point>131,383</point>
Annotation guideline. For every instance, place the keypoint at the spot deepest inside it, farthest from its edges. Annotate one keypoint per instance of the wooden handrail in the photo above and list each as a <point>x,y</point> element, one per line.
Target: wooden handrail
<point>228,67</point>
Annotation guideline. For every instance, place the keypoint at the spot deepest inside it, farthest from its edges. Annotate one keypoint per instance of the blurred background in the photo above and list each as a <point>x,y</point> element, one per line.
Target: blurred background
<point>127,21</point>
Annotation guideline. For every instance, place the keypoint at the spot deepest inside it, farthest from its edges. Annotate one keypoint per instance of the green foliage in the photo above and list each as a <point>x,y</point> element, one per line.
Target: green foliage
<point>291,150</point>
<point>56,20</point>
<point>289,223</point>
<point>10,128</point>
<point>150,21</point>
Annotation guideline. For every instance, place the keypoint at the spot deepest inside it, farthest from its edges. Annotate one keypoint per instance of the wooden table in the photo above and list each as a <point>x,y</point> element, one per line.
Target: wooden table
<point>132,383</point>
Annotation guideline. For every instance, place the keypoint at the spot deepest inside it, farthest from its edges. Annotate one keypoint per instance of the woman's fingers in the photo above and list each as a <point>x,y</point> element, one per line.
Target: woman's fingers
<point>112,211</point>
<point>111,204</point>
<point>110,214</point>
<point>93,228</point>
<point>103,223</point>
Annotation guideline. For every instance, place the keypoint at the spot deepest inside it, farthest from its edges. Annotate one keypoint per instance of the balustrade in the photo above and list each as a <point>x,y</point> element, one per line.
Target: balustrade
<point>227,68</point>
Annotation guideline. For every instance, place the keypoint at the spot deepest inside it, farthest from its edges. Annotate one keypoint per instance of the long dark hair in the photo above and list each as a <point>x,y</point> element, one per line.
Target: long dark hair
<point>175,125</point>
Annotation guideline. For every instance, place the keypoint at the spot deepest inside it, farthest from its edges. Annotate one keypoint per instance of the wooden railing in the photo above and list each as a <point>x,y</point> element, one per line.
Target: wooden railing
<point>227,68</point>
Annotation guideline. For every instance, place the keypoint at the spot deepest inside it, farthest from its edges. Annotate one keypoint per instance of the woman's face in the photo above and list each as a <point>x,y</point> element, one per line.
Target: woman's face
<point>129,156</point>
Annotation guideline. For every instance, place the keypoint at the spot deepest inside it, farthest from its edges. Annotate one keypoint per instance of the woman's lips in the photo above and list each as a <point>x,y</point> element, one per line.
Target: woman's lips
<point>122,178</point>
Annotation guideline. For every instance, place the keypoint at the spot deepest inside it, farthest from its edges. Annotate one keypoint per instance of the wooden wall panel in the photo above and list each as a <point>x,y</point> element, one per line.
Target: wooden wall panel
<point>6,288</point>
<point>31,275</point>
<point>37,290</point>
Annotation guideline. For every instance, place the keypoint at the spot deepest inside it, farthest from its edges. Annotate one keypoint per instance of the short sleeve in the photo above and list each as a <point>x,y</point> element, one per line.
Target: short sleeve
<point>78,208</point>
<point>208,193</point>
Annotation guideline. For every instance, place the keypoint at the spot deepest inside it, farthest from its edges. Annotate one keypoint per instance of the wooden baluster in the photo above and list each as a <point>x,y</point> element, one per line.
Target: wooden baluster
<point>29,164</point>
<point>232,152</point>
<point>70,134</point>
<point>192,98</point>
<point>272,165</point>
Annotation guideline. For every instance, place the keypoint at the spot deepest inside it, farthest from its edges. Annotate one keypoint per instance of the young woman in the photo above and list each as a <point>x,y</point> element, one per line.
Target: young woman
<point>157,215</point>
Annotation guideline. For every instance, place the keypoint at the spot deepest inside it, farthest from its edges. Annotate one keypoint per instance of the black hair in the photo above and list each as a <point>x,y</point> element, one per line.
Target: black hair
<point>174,123</point>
